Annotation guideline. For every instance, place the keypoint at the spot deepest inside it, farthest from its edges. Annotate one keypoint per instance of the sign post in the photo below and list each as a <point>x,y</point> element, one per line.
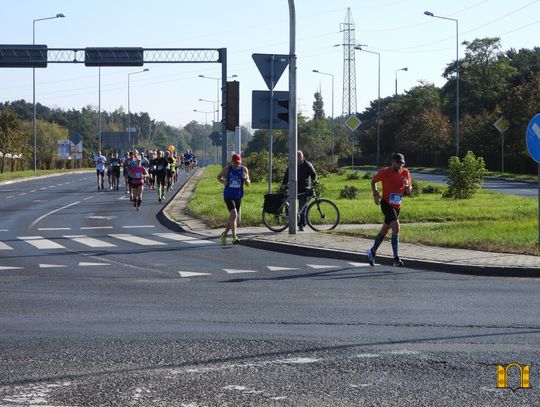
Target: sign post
<point>271,68</point>
<point>352,122</point>
<point>501,125</point>
<point>532,137</point>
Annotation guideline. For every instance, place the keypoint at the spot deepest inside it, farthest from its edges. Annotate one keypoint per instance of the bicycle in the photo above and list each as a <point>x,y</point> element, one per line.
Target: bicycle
<point>321,214</point>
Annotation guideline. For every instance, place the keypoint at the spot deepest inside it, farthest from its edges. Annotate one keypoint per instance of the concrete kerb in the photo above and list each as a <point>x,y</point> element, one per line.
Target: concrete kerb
<point>173,216</point>
<point>32,178</point>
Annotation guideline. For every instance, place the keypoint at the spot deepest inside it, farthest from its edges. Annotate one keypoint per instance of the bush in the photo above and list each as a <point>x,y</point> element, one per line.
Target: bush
<point>368,175</point>
<point>353,176</point>
<point>323,173</point>
<point>464,177</point>
<point>431,189</point>
<point>417,189</point>
<point>257,164</point>
<point>319,188</point>
<point>340,172</point>
<point>349,192</point>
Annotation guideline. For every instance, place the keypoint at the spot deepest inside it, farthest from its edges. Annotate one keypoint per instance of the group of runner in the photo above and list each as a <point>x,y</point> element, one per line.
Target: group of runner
<point>156,169</point>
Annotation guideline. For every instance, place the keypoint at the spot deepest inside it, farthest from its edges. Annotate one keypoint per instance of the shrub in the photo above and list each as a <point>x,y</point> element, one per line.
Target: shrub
<point>340,172</point>
<point>349,192</point>
<point>323,173</point>
<point>417,189</point>
<point>368,175</point>
<point>464,177</point>
<point>353,175</point>
<point>431,189</point>
<point>319,188</point>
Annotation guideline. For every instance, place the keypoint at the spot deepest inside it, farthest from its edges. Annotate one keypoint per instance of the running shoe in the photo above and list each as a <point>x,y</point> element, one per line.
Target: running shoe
<point>223,238</point>
<point>371,257</point>
<point>235,240</point>
<point>398,262</point>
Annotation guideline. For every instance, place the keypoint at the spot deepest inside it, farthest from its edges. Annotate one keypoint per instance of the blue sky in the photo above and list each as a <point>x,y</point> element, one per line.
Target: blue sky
<point>399,30</point>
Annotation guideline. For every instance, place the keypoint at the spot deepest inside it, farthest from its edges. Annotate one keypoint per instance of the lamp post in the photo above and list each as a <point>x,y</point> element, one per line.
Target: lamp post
<point>359,48</point>
<point>214,103</point>
<point>204,137</point>
<point>217,82</point>
<point>59,15</point>
<point>129,109</point>
<point>333,130</point>
<point>397,70</point>
<point>430,14</point>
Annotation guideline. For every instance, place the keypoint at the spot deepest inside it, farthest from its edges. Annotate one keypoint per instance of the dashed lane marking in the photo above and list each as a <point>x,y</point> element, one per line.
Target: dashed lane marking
<point>88,264</point>
<point>236,271</point>
<point>138,226</point>
<point>277,268</point>
<point>10,268</point>
<point>187,274</point>
<point>54,228</point>
<point>50,266</point>
<point>358,264</point>
<point>320,266</point>
<point>40,242</point>
<point>95,227</point>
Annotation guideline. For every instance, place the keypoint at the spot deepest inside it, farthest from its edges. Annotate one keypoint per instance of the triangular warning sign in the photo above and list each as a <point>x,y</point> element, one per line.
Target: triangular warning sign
<point>271,67</point>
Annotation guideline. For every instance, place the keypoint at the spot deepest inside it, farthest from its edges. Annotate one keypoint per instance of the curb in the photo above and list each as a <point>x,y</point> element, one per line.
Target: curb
<point>33,178</point>
<point>290,248</point>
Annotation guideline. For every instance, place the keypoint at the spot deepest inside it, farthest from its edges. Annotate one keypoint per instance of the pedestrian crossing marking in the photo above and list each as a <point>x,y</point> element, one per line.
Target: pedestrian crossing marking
<point>50,266</point>
<point>88,264</point>
<point>236,271</point>
<point>10,268</point>
<point>182,238</point>
<point>186,274</point>
<point>40,242</point>
<point>137,240</point>
<point>277,268</point>
<point>358,264</point>
<point>320,266</point>
<point>90,241</point>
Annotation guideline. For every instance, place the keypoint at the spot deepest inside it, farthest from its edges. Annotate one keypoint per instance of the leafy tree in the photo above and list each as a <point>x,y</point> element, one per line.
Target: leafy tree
<point>464,177</point>
<point>12,137</point>
<point>318,107</point>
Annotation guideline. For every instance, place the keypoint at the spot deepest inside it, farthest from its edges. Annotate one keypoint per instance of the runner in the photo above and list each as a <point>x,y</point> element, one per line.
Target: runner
<point>395,181</point>
<point>137,173</point>
<point>188,160</point>
<point>233,177</point>
<point>125,168</point>
<point>161,164</point>
<point>100,168</point>
<point>116,163</point>
<point>146,164</point>
<point>152,170</point>
<point>109,171</point>
<point>170,170</point>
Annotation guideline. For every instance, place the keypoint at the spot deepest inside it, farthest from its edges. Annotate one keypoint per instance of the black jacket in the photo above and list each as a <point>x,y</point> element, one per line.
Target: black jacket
<point>306,171</point>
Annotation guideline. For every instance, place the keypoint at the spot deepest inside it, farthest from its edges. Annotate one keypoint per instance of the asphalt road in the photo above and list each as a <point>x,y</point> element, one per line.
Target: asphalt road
<point>102,305</point>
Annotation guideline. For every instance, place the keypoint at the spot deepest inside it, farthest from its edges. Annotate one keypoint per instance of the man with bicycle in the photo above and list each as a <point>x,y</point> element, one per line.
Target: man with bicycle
<point>307,176</point>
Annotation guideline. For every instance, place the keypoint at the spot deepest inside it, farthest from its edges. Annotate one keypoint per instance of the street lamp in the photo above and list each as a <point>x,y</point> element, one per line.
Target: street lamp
<point>397,70</point>
<point>359,48</point>
<point>430,14</point>
<point>332,75</point>
<point>59,15</point>
<point>129,109</point>
<point>214,103</point>
<point>204,137</point>
<point>217,82</point>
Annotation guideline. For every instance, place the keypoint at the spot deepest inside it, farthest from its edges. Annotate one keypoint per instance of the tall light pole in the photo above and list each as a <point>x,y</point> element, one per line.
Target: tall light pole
<point>218,88</point>
<point>359,48</point>
<point>430,14</point>
<point>332,75</point>
<point>293,125</point>
<point>129,109</point>
<point>214,104</point>
<point>59,15</point>
<point>204,137</point>
<point>397,70</point>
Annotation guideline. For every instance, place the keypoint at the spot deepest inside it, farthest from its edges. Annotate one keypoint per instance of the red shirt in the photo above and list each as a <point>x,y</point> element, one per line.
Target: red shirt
<point>393,184</point>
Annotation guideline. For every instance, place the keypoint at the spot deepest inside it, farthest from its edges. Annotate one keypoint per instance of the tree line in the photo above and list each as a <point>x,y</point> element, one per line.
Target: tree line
<point>421,122</point>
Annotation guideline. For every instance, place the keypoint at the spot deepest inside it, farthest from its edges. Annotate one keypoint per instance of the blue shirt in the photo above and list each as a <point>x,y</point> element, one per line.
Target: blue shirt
<point>235,183</point>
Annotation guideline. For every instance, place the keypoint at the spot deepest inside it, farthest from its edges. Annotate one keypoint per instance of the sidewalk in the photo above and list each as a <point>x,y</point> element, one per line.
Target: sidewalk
<point>354,248</point>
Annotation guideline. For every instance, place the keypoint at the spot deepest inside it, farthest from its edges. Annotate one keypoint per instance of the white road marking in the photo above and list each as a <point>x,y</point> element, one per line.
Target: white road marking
<point>95,227</point>
<point>52,186</point>
<point>34,190</point>
<point>39,200</point>
<point>187,274</point>
<point>277,268</point>
<point>22,193</point>
<point>320,266</point>
<point>54,228</point>
<point>11,196</point>
<point>40,242</point>
<point>51,212</point>
<point>137,240</point>
<point>10,268</point>
<point>90,241</point>
<point>87,198</point>
<point>181,238</point>
<point>236,271</point>
<point>138,227</point>
<point>101,217</point>
<point>3,230</point>
<point>358,264</point>
<point>50,266</point>
<point>42,189</point>
<point>88,264</point>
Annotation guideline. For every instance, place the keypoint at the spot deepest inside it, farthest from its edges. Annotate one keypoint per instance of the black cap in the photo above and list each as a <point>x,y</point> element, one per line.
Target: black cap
<point>399,158</point>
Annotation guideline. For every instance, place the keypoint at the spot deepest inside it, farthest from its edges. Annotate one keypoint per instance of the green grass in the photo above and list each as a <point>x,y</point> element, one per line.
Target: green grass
<point>7,176</point>
<point>489,221</point>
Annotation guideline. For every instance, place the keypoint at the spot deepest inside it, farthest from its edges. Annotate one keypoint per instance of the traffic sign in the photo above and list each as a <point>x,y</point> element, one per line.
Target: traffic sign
<point>260,109</point>
<point>352,122</point>
<point>271,67</point>
<point>533,138</point>
<point>501,124</point>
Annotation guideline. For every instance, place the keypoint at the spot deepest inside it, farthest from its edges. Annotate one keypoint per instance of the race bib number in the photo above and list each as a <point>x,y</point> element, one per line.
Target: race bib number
<point>235,183</point>
<point>160,167</point>
<point>396,199</point>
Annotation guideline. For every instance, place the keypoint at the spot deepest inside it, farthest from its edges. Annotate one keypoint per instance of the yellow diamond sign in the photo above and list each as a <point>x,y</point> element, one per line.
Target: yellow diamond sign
<point>501,124</point>
<point>352,122</point>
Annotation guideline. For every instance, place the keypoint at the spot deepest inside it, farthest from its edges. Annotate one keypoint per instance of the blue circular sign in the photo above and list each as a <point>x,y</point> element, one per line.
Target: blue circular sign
<point>533,138</point>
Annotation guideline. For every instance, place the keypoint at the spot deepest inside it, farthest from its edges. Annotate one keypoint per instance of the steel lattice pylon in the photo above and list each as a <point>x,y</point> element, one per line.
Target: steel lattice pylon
<point>349,65</point>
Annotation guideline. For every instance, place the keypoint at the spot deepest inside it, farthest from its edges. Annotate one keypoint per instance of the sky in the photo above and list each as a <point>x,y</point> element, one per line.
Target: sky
<point>398,30</point>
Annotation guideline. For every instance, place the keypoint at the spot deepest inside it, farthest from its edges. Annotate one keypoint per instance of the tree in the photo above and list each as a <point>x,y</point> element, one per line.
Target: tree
<point>12,137</point>
<point>318,107</point>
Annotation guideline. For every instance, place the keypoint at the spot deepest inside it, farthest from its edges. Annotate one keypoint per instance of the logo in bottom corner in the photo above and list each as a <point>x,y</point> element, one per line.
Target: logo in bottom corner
<point>523,372</point>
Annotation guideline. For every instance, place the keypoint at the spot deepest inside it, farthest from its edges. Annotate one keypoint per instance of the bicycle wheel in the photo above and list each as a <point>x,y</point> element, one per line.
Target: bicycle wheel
<point>322,215</point>
<point>277,222</point>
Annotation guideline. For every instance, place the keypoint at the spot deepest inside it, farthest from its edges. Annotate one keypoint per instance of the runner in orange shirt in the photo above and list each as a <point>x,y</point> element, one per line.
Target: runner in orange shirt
<point>395,181</point>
